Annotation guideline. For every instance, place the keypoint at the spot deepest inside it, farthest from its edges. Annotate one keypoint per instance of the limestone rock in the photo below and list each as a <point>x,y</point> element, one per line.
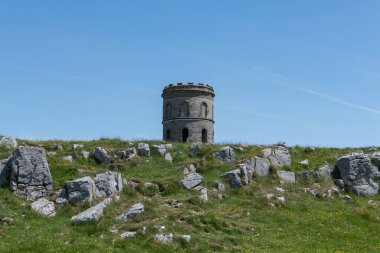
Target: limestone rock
<point>168,157</point>
<point>307,175</point>
<point>262,166</point>
<point>326,171</point>
<point>61,201</point>
<point>266,152</point>
<point>287,176</point>
<point>143,149</point>
<point>92,213</point>
<point>190,169</point>
<point>68,158</point>
<point>80,190</point>
<point>280,157</point>
<point>101,155</point>
<point>133,211</point>
<point>356,171</point>
<point>187,238</point>
<point>233,178</point>
<point>121,154</point>
<point>85,154</point>
<point>44,207</point>
<point>164,238</point>
<point>56,147</point>
<point>127,234</point>
<point>75,146</point>
<point>192,180</point>
<point>8,142</point>
<point>27,173</point>
<point>225,154</point>
<point>304,162</point>
<point>196,147</point>
<point>108,183</point>
<point>202,193</point>
<point>131,153</point>
<point>375,158</point>
<point>159,149</point>
<point>220,187</point>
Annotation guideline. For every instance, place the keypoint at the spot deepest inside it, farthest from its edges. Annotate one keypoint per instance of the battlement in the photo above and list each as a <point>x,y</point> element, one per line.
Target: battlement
<point>189,86</point>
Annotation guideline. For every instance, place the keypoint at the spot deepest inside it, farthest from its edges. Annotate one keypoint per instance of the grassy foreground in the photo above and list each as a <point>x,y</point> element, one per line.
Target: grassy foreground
<point>241,222</point>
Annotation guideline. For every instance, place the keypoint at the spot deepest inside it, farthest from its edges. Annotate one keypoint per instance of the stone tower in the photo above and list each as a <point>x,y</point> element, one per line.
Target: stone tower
<point>188,113</point>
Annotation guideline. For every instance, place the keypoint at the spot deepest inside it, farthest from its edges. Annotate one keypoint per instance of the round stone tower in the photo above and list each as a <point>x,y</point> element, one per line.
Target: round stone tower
<point>188,113</point>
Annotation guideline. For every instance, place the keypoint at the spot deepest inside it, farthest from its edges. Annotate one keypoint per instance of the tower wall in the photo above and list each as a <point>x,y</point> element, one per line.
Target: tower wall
<point>188,106</point>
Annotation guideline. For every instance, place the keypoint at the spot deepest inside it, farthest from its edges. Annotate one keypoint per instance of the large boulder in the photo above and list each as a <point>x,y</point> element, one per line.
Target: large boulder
<point>8,142</point>
<point>44,207</point>
<point>133,211</point>
<point>27,173</point>
<point>101,155</point>
<point>356,171</point>
<point>262,166</point>
<point>108,183</point>
<point>80,190</point>
<point>237,177</point>
<point>192,180</point>
<point>143,149</point>
<point>92,213</point>
<point>280,157</point>
<point>225,154</point>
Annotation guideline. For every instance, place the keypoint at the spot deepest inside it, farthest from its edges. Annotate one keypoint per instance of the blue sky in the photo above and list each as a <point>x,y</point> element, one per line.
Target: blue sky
<point>305,72</point>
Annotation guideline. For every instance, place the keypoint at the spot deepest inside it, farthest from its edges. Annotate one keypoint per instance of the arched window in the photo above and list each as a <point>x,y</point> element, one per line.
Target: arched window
<point>184,109</point>
<point>168,135</point>
<point>168,111</point>
<point>185,134</point>
<point>204,135</point>
<point>204,110</point>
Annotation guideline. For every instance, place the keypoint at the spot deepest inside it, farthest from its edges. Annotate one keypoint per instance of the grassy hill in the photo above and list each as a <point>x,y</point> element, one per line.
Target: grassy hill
<point>241,222</point>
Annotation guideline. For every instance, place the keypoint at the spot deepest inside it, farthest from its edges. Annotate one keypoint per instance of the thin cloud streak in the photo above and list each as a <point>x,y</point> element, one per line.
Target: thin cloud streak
<point>281,80</point>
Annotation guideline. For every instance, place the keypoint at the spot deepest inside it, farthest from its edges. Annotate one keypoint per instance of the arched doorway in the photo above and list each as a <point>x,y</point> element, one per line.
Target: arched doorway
<point>168,135</point>
<point>204,135</point>
<point>185,134</point>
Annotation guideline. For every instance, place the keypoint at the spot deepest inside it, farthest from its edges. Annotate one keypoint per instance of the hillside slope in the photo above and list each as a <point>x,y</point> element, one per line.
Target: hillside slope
<point>234,220</point>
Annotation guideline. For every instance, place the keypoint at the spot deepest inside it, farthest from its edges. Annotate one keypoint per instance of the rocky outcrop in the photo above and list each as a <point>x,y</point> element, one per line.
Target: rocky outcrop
<point>279,156</point>
<point>225,154</point>
<point>27,173</point>
<point>80,190</point>
<point>101,155</point>
<point>262,166</point>
<point>92,213</point>
<point>164,238</point>
<point>108,183</point>
<point>143,149</point>
<point>237,177</point>
<point>192,180</point>
<point>133,211</point>
<point>8,142</point>
<point>287,176</point>
<point>44,207</point>
<point>356,171</point>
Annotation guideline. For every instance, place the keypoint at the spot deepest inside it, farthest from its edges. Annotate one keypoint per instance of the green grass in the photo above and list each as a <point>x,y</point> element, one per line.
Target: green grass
<point>242,222</point>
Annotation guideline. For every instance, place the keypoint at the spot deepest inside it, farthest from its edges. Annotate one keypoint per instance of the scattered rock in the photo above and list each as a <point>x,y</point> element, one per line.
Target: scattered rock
<point>8,142</point>
<point>225,154</point>
<point>279,189</point>
<point>326,171</point>
<point>101,155</point>
<point>131,153</point>
<point>133,211</point>
<point>192,180</point>
<point>220,187</point>
<point>92,213</point>
<point>27,173</point>
<point>191,169</point>
<point>51,153</point>
<point>346,197</point>
<point>280,200</point>
<point>287,176</point>
<point>68,158</point>
<point>356,171</point>
<point>164,238</point>
<point>85,154</point>
<point>75,146</point>
<point>262,166</point>
<point>196,147</point>
<point>187,238</point>
<point>312,192</point>
<point>108,183</point>
<point>202,193</point>
<point>268,196</point>
<point>80,190</point>
<point>61,201</point>
<point>234,178</point>
<point>159,149</point>
<point>127,234</point>
<point>280,157</point>
<point>148,185</point>
<point>304,162</point>
<point>143,149</point>
<point>121,154</point>
<point>44,207</point>
<point>56,147</point>
<point>168,157</point>
<point>307,175</point>
<point>7,221</point>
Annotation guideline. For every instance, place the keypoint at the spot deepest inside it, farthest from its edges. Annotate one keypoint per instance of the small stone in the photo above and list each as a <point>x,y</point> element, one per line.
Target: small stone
<point>51,153</point>
<point>268,196</point>
<point>133,211</point>
<point>121,154</point>
<point>92,213</point>
<point>192,180</point>
<point>127,234</point>
<point>159,149</point>
<point>195,148</point>
<point>307,175</point>
<point>8,142</point>
<point>187,238</point>
<point>287,176</point>
<point>346,197</point>
<point>68,158</point>
<point>168,158</point>
<point>56,147</point>
<point>279,189</point>
<point>44,207</point>
<point>280,200</point>
<point>304,162</point>
<point>85,154</point>
<point>164,238</point>
<point>61,202</point>
<point>339,183</point>
<point>101,155</point>
<point>75,146</point>
<point>143,149</point>
<point>7,220</point>
<point>220,186</point>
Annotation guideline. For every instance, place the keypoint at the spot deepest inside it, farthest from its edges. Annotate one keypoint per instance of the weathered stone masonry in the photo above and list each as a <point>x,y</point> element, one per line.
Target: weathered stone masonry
<point>188,113</point>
